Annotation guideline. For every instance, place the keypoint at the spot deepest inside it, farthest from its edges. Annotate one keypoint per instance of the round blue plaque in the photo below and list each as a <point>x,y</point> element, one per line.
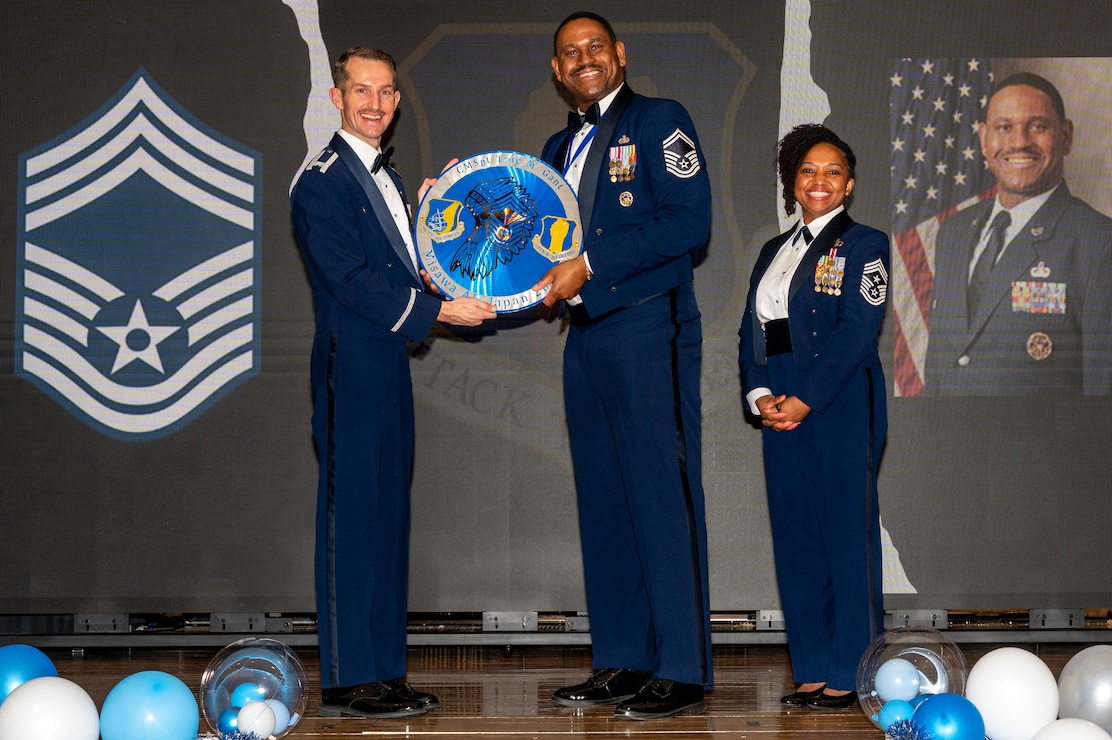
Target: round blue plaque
<point>492,226</point>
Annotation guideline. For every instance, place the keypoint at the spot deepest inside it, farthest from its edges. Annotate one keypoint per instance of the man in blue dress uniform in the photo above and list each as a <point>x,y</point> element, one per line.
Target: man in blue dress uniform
<point>352,221</point>
<point>1022,299</point>
<point>631,379</point>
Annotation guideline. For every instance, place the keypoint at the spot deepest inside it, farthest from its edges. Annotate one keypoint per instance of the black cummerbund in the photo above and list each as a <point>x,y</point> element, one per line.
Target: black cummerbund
<point>778,337</point>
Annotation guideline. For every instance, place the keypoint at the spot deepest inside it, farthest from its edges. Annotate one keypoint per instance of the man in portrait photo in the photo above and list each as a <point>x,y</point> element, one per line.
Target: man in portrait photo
<point>1022,292</point>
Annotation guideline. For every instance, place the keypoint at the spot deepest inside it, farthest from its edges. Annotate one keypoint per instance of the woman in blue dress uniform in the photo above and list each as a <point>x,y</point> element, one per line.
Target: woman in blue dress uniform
<point>811,372</point>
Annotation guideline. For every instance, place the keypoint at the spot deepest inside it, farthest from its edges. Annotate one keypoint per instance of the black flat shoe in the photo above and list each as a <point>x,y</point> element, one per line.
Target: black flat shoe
<point>407,693</point>
<point>663,698</point>
<point>827,701</point>
<point>607,686</point>
<point>374,700</point>
<point>800,698</point>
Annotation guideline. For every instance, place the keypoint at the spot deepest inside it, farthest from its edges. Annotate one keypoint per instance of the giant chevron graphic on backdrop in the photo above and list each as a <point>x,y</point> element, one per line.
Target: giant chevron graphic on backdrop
<point>138,265</point>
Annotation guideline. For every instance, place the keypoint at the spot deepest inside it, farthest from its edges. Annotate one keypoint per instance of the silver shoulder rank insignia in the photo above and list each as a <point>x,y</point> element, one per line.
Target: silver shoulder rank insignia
<point>323,161</point>
<point>874,283</point>
<point>680,156</point>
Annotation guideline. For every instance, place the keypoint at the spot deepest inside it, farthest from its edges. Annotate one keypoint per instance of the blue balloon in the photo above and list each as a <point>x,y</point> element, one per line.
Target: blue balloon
<point>21,663</point>
<point>894,711</point>
<point>150,705</point>
<point>915,701</point>
<point>281,714</point>
<point>228,721</point>
<point>246,693</point>
<point>897,679</point>
<point>950,717</point>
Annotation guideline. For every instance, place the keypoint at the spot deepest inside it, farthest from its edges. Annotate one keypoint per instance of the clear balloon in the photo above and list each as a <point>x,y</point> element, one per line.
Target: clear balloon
<point>1085,687</point>
<point>938,662</point>
<point>49,708</point>
<point>267,670</point>
<point>1014,691</point>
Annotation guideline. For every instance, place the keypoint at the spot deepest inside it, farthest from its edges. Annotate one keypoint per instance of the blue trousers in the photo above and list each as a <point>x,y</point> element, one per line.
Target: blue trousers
<point>631,387</point>
<point>363,429</point>
<point>823,506</point>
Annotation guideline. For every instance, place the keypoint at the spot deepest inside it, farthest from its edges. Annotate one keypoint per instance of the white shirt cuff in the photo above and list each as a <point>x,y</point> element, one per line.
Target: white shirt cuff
<point>752,396</point>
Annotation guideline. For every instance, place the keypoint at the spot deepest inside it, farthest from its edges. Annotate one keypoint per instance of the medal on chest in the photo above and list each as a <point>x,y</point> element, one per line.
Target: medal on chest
<point>623,162</point>
<point>829,272</point>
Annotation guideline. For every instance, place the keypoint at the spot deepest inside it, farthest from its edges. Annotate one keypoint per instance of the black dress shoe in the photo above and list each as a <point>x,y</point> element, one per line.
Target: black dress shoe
<point>407,693</point>
<point>662,698</point>
<point>800,698</point>
<point>828,701</point>
<point>376,699</point>
<point>607,686</point>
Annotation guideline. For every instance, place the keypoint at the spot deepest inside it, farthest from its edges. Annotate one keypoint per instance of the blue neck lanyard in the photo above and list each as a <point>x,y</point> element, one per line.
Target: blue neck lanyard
<point>570,157</point>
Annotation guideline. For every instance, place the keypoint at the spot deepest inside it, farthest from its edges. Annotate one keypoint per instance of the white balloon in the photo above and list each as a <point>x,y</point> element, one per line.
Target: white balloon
<point>1014,691</point>
<point>256,717</point>
<point>1085,687</point>
<point>49,708</point>
<point>1071,729</point>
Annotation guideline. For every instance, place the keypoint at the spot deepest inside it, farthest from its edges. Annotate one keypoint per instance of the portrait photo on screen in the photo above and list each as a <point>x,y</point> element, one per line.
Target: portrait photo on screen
<point>1002,224</point>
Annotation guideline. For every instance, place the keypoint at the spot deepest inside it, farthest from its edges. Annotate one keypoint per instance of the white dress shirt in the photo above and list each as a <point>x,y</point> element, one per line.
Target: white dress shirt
<point>1020,214</point>
<point>577,153</point>
<point>367,155</point>
<point>771,301</point>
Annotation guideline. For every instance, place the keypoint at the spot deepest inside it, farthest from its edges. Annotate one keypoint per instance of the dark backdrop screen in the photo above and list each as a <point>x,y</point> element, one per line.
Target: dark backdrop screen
<point>155,317</point>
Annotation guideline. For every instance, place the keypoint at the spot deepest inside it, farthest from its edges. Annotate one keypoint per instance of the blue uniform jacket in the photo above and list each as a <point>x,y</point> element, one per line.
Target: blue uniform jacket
<point>833,336</point>
<point>363,281</point>
<point>639,234</point>
<point>1046,325</point>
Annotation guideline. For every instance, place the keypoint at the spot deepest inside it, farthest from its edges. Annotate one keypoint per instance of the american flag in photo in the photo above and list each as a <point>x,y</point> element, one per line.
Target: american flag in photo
<point>937,170</point>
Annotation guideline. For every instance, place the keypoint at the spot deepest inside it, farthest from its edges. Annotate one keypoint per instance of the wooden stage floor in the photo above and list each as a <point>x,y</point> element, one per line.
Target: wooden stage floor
<point>504,693</point>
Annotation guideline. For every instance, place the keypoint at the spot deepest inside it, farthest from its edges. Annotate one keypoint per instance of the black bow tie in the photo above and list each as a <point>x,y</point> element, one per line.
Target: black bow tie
<point>382,160</point>
<point>577,119</point>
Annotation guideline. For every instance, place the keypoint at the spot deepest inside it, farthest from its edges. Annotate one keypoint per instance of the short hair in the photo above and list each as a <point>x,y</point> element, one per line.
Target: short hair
<point>339,68</point>
<point>791,150</point>
<point>1040,83</point>
<point>581,15</point>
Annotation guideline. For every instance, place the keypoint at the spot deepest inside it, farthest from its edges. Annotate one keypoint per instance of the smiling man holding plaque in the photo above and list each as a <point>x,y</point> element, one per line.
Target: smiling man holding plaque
<point>350,213</point>
<point>631,379</point>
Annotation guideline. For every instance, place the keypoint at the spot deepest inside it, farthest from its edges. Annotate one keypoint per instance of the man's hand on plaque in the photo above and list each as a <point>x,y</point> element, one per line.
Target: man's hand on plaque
<point>465,312</point>
<point>566,278</point>
<point>432,287</point>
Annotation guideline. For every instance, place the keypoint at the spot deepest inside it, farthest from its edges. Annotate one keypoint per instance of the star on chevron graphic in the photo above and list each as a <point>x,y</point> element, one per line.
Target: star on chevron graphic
<point>138,340</point>
<point>103,286</point>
